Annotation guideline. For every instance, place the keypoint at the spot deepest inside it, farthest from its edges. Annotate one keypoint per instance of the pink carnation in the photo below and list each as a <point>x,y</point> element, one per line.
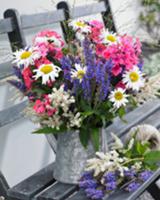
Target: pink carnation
<point>39,107</point>
<point>27,77</point>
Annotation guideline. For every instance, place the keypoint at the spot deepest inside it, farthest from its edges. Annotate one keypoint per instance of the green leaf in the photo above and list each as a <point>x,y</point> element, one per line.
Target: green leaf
<point>87,113</point>
<point>84,136</point>
<point>141,148</point>
<point>47,130</point>
<point>152,157</point>
<point>121,112</point>
<point>95,138</point>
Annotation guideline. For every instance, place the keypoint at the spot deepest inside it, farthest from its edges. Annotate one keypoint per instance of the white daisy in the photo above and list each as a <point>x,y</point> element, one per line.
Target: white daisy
<point>78,72</point>
<point>118,97</point>
<point>39,40</point>
<point>26,56</point>
<point>133,79</point>
<point>80,25</point>
<point>109,37</point>
<point>47,72</point>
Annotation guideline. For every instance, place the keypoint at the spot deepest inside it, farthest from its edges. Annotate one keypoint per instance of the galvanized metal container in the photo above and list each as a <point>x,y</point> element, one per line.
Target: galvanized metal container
<point>71,156</point>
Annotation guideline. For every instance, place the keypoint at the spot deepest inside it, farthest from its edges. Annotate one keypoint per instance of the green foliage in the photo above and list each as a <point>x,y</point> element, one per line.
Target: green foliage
<point>152,157</point>
<point>95,138</point>
<point>150,18</point>
<point>49,130</point>
<point>84,136</point>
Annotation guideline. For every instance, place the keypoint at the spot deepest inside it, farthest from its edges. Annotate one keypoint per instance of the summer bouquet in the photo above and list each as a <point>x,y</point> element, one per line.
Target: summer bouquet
<point>82,85</point>
<point>126,166</point>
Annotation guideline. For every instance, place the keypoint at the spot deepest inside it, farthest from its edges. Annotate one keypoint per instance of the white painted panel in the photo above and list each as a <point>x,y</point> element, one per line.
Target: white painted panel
<point>22,153</point>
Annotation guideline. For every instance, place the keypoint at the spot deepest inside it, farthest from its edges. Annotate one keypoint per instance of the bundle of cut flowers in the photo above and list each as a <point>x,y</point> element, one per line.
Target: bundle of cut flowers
<point>81,85</point>
<point>126,167</point>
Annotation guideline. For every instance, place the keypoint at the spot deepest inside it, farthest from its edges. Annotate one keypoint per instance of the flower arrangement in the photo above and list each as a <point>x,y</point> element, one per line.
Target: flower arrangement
<point>126,166</point>
<point>81,85</point>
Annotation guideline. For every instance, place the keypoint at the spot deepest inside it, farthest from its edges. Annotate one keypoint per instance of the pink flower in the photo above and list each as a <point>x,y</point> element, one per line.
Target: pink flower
<point>116,70</point>
<point>39,107</point>
<point>42,60</point>
<point>51,112</point>
<point>49,42</point>
<point>42,37</point>
<point>120,84</point>
<point>100,48</point>
<point>96,30</point>
<point>57,53</point>
<point>97,24</point>
<point>124,54</point>
<point>27,77</point>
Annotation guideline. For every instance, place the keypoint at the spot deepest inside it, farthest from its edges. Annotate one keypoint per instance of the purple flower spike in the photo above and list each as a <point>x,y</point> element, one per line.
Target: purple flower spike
<point>110,177</point>
<point>110,186</point>
<point>94,193</point>
<point>130,173</point>
<point>87,175</point>
<point>132,186</point>
<point>145,175</point>
<point>88,184</point>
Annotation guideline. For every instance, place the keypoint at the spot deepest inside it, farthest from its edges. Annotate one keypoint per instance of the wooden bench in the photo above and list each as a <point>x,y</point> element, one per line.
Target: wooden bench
<point>41,185</point>
<point>14,25</point>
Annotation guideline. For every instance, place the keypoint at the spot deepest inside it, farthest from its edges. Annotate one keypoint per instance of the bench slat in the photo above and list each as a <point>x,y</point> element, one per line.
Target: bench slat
<point>80,195</point>
<point>5,70</point>
<point>59,191</point>
<point>32,21</point>
<point>12,114</point>
<point>133,118</point>
<point>6,25</point>
<point>154,119</point>
<point>33,185</point>
<point>88,9</point>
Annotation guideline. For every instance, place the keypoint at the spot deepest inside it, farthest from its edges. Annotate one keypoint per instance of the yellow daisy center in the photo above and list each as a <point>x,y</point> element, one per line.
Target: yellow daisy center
<point>46,69</point>
<point>134,76</point>
<point>80,74</point>
<point>26,54</point>
<point>80,24</point>
<point>118,96</point>
<point>111,38</point>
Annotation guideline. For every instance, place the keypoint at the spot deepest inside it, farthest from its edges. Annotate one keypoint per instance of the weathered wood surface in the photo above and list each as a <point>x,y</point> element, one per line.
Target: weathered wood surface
<point>148,113</point>
<point>6,69</point>
<point>12,114</point>
<point>35,20</point>
<point>33,185</point>
<point>133,118</point>
<point>6,25</point>
<point>88,9</point>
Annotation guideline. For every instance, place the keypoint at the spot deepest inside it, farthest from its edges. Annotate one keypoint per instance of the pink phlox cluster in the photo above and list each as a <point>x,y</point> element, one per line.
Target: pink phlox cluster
<point>124,55</point>
<point>96,29</point>
<point>44,107</point>
<point>44,40</point>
